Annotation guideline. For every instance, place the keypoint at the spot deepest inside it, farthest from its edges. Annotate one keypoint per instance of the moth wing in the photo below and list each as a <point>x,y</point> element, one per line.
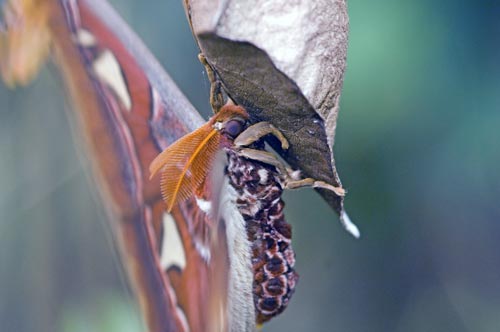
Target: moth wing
<point>25,45</point>
<point>124,115</point>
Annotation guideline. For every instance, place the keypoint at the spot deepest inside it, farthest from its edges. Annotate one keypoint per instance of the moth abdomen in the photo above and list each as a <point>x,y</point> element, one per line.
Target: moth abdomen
<point>259,190</point>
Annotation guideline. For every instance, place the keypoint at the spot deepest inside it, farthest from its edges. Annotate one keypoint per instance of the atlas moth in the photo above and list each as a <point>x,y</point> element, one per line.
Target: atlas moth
<point>256,179</point>
<point>121,111</point>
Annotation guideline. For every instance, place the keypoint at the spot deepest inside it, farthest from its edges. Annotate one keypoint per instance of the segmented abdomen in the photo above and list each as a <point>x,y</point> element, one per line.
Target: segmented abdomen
<point>259,200</point>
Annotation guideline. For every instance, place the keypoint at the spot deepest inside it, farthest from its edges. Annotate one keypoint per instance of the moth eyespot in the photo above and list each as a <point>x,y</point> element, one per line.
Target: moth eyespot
<point>233,128</point>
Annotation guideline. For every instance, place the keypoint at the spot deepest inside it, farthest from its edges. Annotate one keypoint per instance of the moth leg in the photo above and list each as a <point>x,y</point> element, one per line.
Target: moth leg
<point>291,178</point>
<point>310,182</point>
<point>216,96</point>
<point>266,158</point>
<point>257,131</point>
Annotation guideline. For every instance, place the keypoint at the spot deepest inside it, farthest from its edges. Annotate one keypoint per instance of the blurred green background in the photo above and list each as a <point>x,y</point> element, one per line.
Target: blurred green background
<point>418,148</point>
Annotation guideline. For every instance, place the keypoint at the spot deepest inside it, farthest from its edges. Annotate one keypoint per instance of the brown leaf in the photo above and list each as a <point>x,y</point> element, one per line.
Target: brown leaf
<point>284,61</point>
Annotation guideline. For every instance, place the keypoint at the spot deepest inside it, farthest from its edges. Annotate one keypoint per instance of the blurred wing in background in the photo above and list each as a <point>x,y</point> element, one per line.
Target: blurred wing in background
<point>127,110</point>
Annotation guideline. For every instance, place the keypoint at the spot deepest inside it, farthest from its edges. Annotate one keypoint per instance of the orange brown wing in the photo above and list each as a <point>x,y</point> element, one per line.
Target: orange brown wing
<point>125,117</point>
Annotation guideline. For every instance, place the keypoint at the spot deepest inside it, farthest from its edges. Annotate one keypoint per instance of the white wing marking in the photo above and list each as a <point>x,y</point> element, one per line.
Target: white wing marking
<point>85,38</point>
<point>172,250</point>
<point>108,69</point>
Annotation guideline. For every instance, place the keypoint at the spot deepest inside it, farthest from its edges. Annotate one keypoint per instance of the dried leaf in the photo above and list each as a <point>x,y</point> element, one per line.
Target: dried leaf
<point>284,61</point>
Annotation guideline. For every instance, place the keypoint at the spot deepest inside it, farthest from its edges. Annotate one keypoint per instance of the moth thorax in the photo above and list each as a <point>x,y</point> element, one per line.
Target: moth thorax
<point>259,190</point>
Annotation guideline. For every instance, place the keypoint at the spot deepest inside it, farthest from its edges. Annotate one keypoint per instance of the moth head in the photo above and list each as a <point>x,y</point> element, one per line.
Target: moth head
<point>231,120</point>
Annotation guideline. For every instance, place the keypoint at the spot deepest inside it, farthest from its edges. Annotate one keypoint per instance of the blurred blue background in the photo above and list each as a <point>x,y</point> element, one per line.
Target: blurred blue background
<point>418,148</point>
